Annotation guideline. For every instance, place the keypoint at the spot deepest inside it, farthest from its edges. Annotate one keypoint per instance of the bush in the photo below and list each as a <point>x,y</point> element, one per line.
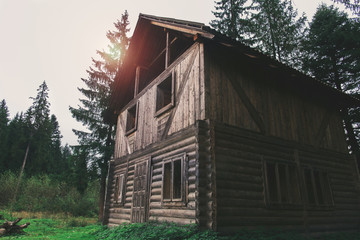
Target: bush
<point>7,188</point>
<point>43,193</point>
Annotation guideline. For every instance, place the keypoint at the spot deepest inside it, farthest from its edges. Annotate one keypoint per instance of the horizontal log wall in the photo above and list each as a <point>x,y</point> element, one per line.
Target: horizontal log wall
<point>181,142</point>
<point>189,104</point>
<point>251,97</point>
<point>240,183</point>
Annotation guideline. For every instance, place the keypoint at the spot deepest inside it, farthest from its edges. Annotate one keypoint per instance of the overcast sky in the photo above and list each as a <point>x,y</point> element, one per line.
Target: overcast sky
<point>54,40</point>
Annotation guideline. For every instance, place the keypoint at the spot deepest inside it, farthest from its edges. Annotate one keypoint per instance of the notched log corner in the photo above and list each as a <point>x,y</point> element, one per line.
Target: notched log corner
<point>12,227</point>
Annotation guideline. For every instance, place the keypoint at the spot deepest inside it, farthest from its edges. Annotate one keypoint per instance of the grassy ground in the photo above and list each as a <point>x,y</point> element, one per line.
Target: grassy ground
<point>61,226</point>
<point>54,226</point>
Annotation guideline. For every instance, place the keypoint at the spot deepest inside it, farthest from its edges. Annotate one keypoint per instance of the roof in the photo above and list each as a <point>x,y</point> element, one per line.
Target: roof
<point>148,27</point>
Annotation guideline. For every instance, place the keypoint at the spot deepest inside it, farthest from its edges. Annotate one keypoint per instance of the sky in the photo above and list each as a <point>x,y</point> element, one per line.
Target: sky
<point>55,40</point>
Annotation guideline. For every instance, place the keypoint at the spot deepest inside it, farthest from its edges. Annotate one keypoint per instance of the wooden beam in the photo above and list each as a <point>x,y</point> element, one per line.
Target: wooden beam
<point>137,79</point>
<point>322,129</point>
<point>167,51</point>
<point>181,28</point>
<point>179,93</point>
<point>246,101</point>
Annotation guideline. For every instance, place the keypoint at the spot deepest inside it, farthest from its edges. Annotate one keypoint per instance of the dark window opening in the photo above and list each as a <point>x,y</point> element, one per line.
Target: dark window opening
<point>318,188</point>
<point>178,46</point>
<point>156,63</point>
<point>131,120</point>
<point>119,188</point>
<point>282,184</point>
<point>173,180</point>
<point>165,95</point>
<point>167,181</point>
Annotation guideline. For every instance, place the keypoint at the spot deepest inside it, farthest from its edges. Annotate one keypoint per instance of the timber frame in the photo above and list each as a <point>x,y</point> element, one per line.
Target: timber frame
<point>225,137</point>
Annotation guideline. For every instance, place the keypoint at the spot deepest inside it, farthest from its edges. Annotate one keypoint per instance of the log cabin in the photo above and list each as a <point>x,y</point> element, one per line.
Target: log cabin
<point>212,132</point>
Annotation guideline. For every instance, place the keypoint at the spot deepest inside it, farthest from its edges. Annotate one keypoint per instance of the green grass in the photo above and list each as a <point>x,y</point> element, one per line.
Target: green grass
<point>54,226</point>
<point>62,226</point>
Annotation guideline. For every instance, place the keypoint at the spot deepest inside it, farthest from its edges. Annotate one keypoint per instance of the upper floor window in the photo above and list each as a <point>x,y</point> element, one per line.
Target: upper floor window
<point>165,95</point>
<point>282,184</point>
<point>131,119</point>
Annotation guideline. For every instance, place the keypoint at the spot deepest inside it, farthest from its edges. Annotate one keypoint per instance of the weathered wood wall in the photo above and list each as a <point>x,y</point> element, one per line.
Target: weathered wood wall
<point>181,142</point>
<point>189,104</point>
<point>240,183</point>
<point>251,97</point>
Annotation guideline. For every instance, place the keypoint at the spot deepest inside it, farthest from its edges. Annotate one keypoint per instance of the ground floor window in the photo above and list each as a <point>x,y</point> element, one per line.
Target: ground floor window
<point>285,187</point>
<point>318,188</point>
<point>282,183</point>
<point>119,188</point>
<point>173,184</point>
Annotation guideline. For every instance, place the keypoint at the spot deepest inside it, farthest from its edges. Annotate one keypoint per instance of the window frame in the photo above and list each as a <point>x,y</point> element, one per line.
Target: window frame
<point>165,108</point>
<point>119,191</point>
<point>183,173</point>
<point>294,197</point>
<point>128,130</point>
<point>328,201</point>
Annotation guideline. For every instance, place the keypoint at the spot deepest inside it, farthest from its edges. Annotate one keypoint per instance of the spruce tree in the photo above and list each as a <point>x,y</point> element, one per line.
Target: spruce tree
<point>276,30</point>
<point>17,142</point>
<point>231,18</point>
<point>98,141</point>
<point>273,27</point>
<point>38,120</point>
<point>333,56</point>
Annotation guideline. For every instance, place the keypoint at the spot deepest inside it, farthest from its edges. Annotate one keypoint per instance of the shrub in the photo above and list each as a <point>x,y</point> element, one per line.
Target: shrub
<point>46,194</point>
<point>7,188</point>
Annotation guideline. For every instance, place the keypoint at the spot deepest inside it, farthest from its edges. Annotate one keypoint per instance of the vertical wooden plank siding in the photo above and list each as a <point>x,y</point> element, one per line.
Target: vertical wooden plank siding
<point>285,113</point>
<point>190,104</point>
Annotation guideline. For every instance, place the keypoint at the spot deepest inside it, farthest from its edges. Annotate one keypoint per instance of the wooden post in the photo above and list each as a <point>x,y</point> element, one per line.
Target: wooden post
<point>137,80</point>
<point>167,52</point>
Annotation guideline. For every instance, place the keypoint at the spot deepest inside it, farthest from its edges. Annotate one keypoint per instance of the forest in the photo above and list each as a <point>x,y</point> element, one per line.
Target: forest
<point>38,173</point>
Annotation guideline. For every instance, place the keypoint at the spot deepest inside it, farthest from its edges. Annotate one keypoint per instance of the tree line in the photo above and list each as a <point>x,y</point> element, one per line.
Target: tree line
<point>327,48</point>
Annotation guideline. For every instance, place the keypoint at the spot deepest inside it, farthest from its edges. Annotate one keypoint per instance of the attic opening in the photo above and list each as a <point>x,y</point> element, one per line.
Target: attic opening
<point>165,95</point>
<point>161,54</point>
<point>131,120</point>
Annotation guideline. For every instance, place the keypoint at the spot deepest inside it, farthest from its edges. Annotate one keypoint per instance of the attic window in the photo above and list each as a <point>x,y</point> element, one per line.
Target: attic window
<point>282,184</point>
<point>131,120</point>
<point>318,188</point>
<point>165,95</point>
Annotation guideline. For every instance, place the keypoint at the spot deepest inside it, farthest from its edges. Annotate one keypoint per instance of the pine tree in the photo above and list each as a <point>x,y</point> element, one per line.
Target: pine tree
<point>231,18</point>
<point>4,121</point>
<point>273,27</point>
<point>353,5</point>
<point>18,140</point>
<point>276,30</point>
<point>99,140</point>
<point>333,56</point>
<point>38,120</point>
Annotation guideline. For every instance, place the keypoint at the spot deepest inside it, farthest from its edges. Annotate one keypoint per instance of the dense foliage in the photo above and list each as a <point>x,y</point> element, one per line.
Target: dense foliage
<point>46,194</point>
<point>332,48</point>
<point>273,27</point>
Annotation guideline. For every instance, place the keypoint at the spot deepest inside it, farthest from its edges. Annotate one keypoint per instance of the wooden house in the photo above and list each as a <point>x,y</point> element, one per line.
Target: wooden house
<point>212,132</point>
